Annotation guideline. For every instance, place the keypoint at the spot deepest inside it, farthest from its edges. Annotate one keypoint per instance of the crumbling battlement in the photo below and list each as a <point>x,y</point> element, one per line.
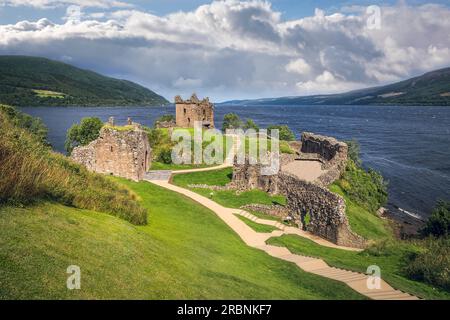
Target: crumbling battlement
<point>123,152</point>
<point>329,151</point>
<point>192,110</point>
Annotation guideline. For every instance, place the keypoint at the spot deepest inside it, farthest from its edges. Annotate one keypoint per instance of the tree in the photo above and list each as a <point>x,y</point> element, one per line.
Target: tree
<point>286,134</point>
<point>231,121</point>
<point>438,224</point>
<point>354,151</point>
<point>82,134</point>
<point>250,124</point>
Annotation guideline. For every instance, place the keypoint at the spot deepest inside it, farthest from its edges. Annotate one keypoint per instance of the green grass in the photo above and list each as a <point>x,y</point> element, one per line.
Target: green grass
<point>390,258</point>
<point>49,94</point>
<point>185,252</point>
<point>30,172</point>
<point>119,128</point>
<point>266,216</point>
<point>227,198</point>
<point>173,167</point>
<point>212,178</point>
<point>258,227</point>
<point>362,221</point>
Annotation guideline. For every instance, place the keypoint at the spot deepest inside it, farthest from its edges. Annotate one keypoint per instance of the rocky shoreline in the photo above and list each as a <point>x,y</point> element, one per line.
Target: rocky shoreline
<point>405,226</point>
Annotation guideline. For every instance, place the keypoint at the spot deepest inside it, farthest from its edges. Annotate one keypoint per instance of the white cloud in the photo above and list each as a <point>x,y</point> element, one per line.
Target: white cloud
<point>233,49</point>
<point>47,4</point>
<point>298,66</point>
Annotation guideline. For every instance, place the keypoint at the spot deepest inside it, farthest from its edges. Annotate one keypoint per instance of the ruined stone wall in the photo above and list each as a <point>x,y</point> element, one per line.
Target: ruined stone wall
<point>326,210</point>
<point>330,151</point>
<point>124,153</point>
<point>333,155</point>
<point>192,110</point>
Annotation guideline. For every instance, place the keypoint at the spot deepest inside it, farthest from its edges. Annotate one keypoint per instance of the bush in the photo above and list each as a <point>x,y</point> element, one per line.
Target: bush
<point>432,265</point>
<point>438,224</point>
<point>368,189</point>
<point>286,134</point>
<point>231,121</point>
<point>31,171</point>
<point>354,151</point>
<point>33,125</point>
<point>165,155</point>
<point>82,134</point>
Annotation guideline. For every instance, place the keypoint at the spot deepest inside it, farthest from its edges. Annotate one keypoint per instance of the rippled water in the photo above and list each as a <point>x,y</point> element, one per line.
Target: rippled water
<point>409,145</point>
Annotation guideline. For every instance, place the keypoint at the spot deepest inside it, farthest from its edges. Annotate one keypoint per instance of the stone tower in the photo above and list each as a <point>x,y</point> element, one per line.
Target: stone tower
<point>123,153</point>
<point>192,110</point>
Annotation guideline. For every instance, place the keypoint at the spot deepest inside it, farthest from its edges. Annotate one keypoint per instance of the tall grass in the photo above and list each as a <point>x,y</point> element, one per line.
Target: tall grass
<point>30,171</point>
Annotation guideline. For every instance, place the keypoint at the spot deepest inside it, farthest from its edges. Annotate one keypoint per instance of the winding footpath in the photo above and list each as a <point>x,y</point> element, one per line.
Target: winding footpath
<point>357,281</point>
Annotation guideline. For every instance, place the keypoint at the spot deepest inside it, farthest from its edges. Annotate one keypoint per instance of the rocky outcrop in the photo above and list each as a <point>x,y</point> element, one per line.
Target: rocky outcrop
<point>119,151</point>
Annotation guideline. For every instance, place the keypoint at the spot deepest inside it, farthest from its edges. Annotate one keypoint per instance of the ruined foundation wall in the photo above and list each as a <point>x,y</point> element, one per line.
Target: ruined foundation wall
<point>326,210</point>
<point>333,155</point>
<point>121,153</point>
<point>331,152</point>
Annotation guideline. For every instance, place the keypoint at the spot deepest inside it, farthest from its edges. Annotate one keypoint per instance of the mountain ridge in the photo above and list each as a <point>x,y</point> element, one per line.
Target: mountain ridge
<point>431,88</point>
<point>36,81</point>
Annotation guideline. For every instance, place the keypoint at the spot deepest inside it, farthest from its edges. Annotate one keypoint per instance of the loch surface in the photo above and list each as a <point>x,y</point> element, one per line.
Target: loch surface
<point>409,145</point>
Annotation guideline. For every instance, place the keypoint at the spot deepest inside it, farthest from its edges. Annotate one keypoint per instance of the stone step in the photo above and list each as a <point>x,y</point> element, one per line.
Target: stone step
<point>296,258</point>
<point>159,175</point>
<point>394,295</point>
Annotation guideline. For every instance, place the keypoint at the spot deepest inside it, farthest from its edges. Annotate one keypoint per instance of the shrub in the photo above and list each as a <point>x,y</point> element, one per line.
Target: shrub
<point>165,155</point>
<point>286,134</point>
<point>354,151</point>
<point>368,189</point>
<point>33,125</point>
<point>31,171</point>
<point>438,224</point>
<point>432,265</point>
<point>82,134</point>
<point>231,121</point>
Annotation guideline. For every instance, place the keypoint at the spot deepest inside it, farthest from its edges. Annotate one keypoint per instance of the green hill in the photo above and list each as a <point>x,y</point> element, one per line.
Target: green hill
<point>33,81</point>
<point>432,88</point>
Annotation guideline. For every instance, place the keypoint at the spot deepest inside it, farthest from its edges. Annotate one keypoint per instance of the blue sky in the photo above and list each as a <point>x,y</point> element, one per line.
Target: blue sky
<point>235,49</point>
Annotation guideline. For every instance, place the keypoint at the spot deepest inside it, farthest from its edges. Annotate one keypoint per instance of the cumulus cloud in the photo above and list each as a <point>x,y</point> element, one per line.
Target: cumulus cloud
<point>47,4</point>
<point>243,49</point>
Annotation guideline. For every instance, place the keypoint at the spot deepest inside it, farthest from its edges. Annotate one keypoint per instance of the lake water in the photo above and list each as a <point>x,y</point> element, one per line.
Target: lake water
<point>409,145</point>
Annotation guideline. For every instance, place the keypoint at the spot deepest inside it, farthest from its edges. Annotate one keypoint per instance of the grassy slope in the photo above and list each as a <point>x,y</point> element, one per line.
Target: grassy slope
<point>184,252</point>
<point>362,221</point>
<point>262,228</point>
<point>60,84</point>
<point>390,262</point>
<point>227,198</point>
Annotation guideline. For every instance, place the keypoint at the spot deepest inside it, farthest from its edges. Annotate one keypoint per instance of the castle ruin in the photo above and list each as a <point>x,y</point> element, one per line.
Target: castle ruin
<point>119,151</point>
<point>192,110</point>
<point>326,210</point>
